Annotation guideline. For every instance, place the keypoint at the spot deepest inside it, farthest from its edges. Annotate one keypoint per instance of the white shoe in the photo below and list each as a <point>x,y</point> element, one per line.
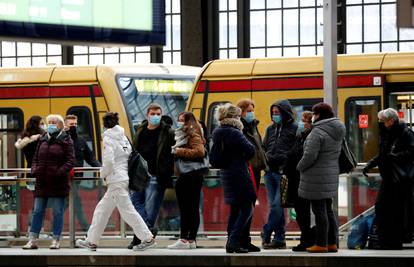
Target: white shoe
<point>82,243</point>
<point>32,244</point>
<point>193,245</point>
<point>180,244</point>
<point>55,244</point>
<point>145,245</point>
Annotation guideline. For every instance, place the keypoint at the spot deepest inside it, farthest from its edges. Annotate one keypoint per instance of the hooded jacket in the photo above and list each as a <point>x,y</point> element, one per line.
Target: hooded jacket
<point>279,138</point>
<point>52,162</point>
<point>319,168</point>
<point>115,156</point>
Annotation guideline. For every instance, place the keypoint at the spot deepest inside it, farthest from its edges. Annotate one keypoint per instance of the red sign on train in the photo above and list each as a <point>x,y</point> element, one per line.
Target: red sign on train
<point>363,121</point>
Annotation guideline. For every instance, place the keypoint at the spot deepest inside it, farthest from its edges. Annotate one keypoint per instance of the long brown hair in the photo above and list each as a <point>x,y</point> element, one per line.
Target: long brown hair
<point>191,124</point>
<point>33,126</point>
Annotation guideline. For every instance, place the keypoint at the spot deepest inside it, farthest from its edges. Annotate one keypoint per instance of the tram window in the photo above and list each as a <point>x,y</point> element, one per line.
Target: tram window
<point>11,126</point>
<point>170,93</point>
<point>362,126</point>
<point>212,123</point>
<point>85,128</point>
<point>301,105</point>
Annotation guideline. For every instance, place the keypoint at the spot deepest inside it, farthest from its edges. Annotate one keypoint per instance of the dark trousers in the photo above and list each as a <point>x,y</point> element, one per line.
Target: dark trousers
<point>188,190</point>
<point>326,222</point>
<point>303,218</point>
<point>239,223</point>
<point>245,239</point>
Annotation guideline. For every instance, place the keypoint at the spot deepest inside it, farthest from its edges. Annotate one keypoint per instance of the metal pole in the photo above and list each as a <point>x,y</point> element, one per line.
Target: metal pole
<point>72,234</point>
<point>329,53</point>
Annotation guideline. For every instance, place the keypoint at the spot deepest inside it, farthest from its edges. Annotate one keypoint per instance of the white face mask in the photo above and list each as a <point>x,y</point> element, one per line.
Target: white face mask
<point>313,119</point>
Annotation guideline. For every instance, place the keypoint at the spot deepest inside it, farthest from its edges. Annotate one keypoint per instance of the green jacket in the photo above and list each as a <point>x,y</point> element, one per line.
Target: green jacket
<point>165,159</point>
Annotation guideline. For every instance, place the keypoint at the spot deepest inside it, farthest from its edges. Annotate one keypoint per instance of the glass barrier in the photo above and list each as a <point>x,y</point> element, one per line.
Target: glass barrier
<point>357,193</point>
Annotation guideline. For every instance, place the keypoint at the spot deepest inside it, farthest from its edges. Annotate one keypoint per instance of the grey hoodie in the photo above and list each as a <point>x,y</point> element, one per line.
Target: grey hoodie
<point>319,169</point>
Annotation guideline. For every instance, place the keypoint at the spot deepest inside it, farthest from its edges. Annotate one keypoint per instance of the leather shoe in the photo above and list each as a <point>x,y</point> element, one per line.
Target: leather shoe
<point>317,249</point>
<point>332,248</point>
<point>300,248</point>
<point>252,248</point>
<point>236,250</point>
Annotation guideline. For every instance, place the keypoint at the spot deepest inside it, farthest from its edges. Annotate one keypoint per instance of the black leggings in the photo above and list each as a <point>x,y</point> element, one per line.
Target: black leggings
<point>188,190</point>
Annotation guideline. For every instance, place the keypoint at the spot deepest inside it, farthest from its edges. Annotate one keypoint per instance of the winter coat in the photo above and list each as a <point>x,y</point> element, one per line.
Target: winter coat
<point>52,162</point>
<point>165,159</point>
<point>28,145</point>
<point>237,184</point>
<point>394,203</point>
<point>83,153</point>
<point>115,156</point>
<point>252,134</point>
<point>279,138</point>
<point>319,168</point>
<point>194,149</point>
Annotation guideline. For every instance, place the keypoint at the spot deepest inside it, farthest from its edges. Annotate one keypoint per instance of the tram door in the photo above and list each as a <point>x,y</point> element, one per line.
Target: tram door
<point>403,102</point>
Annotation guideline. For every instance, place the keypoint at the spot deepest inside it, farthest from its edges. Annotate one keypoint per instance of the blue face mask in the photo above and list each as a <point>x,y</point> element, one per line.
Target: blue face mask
<point>249,117</point>
<point>180,124</point>
<point>301,126</point>
<point>52,128</point>
<point>276,118</point>
<point>154,120</point>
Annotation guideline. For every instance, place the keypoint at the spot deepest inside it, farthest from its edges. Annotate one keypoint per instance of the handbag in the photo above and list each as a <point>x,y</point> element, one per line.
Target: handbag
<point>285,202</point>
<point>185,166</point>
<point>138,174</point>
<point>347,161</point>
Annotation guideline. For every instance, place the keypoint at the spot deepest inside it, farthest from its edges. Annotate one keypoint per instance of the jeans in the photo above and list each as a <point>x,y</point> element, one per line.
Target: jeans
<point>276,221</point>
<point>38,216</point>
<point>326,223</point>
<point>148,202</point>
<point>240,215</point>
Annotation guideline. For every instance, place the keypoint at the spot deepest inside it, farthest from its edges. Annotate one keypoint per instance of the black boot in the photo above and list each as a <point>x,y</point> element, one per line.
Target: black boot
<point>235,248</point>
<point>135,241</point>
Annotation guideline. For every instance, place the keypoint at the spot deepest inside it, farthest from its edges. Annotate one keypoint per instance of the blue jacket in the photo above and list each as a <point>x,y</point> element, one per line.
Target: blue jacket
<point>235,177</point>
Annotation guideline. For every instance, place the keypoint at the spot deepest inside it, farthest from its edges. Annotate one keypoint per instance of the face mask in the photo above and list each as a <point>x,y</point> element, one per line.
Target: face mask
<point>73,131</point>
<point>180,124</point>
<point>277,118</point>
<point>154,120</point>
<point>301,126</point>
<point>249,117</point>
<point>43,127</point>
<point>313,119</point>
<point>52,128</point>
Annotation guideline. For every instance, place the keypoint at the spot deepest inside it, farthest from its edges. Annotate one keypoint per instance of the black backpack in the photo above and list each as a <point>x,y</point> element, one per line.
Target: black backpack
<point>137,171</point>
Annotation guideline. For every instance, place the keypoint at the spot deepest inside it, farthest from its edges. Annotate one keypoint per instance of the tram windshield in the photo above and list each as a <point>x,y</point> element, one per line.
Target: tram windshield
<point>139,92</point>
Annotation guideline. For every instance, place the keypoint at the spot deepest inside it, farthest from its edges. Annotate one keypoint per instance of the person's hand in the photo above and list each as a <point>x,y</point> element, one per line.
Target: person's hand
<point>365,171</point>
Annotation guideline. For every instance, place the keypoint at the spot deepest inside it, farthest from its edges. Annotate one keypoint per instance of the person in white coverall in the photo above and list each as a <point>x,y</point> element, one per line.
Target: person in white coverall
<point>114,171</point>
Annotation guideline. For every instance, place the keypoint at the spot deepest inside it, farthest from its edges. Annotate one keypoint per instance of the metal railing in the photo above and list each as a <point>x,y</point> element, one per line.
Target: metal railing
<point>213,174</point>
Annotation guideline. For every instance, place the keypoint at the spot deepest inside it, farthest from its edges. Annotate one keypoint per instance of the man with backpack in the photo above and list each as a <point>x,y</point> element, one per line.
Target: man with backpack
<point>153,141</point>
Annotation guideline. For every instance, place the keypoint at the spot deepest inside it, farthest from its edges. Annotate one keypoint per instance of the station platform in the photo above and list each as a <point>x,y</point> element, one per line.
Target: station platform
<point>209,253</point>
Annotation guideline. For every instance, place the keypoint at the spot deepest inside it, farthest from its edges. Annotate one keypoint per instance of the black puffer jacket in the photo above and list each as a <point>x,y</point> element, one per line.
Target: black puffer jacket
<point>279,138</point>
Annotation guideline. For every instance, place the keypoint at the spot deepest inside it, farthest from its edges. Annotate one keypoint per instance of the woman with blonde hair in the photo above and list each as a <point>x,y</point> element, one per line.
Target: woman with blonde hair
<point>53,160</point>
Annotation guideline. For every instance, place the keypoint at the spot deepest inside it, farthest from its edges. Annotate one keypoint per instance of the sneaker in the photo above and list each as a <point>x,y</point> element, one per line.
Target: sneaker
<point>82,243</point>
<point>180,244</point>
<point>32,244</point>
<point>193,244</point>
<point>265,240</point>
<point>55,244</point>
<point>145,245</point>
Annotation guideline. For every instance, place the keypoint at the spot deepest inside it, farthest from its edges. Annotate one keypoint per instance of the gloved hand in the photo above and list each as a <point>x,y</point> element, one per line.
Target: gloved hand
<point>365,170</point>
